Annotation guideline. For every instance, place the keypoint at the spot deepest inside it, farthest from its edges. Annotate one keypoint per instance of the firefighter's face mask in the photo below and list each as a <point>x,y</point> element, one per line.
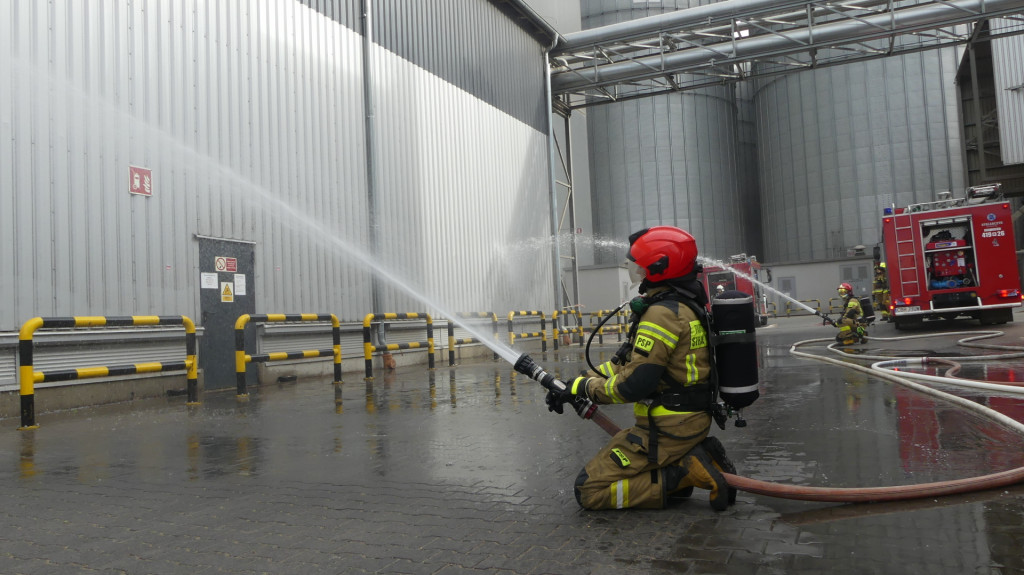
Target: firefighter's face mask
<point>842,292</point>
<point>636,273</point>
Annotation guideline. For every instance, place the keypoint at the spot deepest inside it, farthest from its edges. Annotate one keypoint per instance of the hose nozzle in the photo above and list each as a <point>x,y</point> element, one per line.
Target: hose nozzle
<point>526,366</point>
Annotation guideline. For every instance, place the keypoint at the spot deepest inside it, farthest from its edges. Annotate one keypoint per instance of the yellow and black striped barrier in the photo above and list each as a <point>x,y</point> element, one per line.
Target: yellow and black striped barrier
<point>836,305</point>
<point>28,377</point>
<point>369,348</point>
<point>557,330</point>
<point>241,358</point>
<point>771,309</point>
<point>620,327</point>
<point>542,334</point>
<point>798,310</point>
<point>452,341</point>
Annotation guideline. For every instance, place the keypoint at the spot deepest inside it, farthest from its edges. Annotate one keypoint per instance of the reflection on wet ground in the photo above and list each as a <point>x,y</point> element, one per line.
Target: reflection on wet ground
<point>463,469</point>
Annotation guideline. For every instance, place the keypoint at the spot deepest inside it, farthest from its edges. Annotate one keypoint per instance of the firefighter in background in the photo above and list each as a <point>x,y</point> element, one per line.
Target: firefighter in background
<point>880,290</point>
<point>666,372</point>
<point>850,331</point>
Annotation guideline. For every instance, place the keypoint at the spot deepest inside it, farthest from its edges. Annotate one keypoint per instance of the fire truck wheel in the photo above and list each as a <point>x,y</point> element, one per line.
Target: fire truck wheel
<point>995,316</point>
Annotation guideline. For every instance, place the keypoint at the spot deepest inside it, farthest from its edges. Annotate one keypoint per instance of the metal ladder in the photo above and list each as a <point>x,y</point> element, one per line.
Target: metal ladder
<point>910,286</point>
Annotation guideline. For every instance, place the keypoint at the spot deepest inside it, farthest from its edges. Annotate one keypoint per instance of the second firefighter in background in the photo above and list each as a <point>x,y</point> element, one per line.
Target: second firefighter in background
<point>850,330</point>
<point>667,375</point>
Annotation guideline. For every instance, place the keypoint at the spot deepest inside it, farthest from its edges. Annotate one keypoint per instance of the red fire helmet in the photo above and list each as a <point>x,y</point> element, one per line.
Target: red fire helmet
<point>664,252</point>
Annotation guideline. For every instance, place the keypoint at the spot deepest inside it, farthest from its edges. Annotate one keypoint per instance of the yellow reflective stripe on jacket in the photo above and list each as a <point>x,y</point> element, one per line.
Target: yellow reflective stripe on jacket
<point>609,389</point>
<point>659,333</point>
<point>642,410</point>
<point>605,368</point>
<point>692,373</point>
<point>619,492</point>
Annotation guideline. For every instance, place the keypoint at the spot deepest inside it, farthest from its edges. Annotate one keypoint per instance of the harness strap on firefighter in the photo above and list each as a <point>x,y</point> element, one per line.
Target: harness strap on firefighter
<point>698,397</point>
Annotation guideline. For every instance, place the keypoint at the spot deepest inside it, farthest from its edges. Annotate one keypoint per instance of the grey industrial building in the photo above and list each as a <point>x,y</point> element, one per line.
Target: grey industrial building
<point>188,158</point>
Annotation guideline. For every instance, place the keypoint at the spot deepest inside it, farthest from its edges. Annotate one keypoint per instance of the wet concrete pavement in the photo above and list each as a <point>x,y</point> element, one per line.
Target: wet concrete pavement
<point>464,471</point>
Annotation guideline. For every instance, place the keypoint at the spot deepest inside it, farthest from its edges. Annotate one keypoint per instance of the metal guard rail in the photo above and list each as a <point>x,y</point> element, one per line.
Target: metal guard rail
<point>790,309</point>
<point>557,329</point>
<point>620,326</point>
<point>241,358</point>
<point>369,348</point>
<point>452,341</point>
<point>542,334</point>
<point>28,377</point>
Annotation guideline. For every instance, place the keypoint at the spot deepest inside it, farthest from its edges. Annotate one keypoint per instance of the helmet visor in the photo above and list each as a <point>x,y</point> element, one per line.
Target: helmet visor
<point>636,273</point>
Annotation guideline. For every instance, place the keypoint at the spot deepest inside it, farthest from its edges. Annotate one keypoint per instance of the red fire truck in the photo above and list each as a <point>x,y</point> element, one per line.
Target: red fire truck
<point>952,257</point>
<point>747,267</point>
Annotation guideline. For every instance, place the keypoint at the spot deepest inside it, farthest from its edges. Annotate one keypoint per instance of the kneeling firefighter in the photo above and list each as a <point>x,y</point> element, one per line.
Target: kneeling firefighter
<point>850,330</point>
<point>667,374</point>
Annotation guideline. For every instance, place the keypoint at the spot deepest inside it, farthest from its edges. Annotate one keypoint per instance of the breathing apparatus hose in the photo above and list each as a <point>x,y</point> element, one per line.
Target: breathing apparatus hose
<point>597,329</point>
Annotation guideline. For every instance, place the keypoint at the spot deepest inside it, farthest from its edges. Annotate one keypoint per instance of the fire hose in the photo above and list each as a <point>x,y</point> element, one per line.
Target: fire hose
<point>587,410</point>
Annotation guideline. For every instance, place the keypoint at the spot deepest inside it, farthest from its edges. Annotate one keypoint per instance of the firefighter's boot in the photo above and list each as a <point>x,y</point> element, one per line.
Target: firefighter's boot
<point>696,469</point>
<point>846,336</point>
<point>720,460</point>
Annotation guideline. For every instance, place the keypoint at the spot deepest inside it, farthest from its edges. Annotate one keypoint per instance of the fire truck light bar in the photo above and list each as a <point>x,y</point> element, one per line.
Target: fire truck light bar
<point>986,190</point>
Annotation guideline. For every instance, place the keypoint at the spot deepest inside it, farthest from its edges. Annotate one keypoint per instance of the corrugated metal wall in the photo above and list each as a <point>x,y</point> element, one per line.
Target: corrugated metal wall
<point>669,159</point>
<point>836,145</point>
<point>251,117</point>
<point>1008,64</point>
<point>463,186</point>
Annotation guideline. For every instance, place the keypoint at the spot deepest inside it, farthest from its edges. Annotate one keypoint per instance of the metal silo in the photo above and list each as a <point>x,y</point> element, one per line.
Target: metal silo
<point>838,144</point>
<point>668,159</point>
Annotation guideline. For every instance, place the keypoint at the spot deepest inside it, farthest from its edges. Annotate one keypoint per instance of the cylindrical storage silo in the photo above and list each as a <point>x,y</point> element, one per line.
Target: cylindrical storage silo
<point>669,159</point>
<point>838,144</point>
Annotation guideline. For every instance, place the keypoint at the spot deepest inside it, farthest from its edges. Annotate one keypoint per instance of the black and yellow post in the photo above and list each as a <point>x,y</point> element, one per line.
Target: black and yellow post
<point>242,359</point>
<point>453,341</point>
<point>369,348</point>
<point>542,334</point>
<point>556,325</point>
<point>494,323</point>
<point>28,377</point>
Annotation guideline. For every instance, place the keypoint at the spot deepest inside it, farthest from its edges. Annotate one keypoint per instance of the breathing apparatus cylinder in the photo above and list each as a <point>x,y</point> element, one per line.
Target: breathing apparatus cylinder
<point>735,348</point>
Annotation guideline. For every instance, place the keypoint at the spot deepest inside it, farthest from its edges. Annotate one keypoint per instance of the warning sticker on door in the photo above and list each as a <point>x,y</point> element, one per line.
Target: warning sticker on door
<point>227,292</point>
<point>225,264</point>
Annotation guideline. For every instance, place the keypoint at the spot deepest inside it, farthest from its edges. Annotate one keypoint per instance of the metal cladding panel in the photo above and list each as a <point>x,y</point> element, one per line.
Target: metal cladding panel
<point>836,145</point>
<point>471,45</point>
<point>463,196</point>
<point>1008,65</point>
<point>250,116</point>
<point>668,160</point>
<point>665,160</point>
<point>243,112</point>
<point>307,158</point>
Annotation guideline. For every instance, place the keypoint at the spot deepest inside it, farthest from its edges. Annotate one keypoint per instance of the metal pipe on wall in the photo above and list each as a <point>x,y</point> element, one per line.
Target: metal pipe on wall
<point>370,140</point>
<point>556,255</point>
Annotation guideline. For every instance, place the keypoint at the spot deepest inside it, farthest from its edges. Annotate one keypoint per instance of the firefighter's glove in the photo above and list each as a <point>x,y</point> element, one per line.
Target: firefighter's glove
<point>557,398</point>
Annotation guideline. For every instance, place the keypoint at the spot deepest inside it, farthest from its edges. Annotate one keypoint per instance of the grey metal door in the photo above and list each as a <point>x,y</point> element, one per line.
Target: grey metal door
<point>227,269</point>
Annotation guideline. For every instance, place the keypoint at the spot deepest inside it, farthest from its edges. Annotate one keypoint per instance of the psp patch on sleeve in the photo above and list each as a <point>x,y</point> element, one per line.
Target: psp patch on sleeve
<point>643,345</point>
<point>698,337</point>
